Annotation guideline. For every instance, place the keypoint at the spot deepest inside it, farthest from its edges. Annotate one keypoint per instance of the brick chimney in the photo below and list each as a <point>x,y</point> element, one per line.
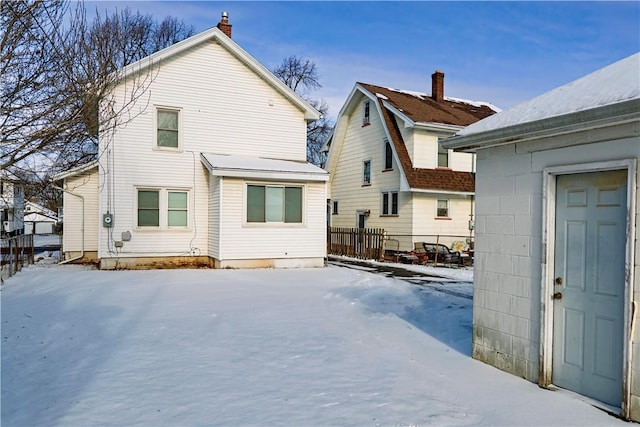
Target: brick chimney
<point>437,85</point>
<point>224,25</point>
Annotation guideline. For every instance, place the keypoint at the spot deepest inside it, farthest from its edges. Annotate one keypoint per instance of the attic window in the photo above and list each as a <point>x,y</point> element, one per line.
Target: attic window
<point>388,155</point>
<point>365,114</point>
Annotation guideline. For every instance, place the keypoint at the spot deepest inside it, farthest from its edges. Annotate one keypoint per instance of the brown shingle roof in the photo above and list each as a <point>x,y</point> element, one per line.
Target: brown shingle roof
<point>427,179</point>
<point>420,107</point>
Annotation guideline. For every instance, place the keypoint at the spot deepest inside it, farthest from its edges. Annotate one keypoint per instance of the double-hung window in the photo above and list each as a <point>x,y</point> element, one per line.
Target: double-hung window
<point>274,203</point>
<point>443,209</point>
<point>390,203</point>
<point>162,208</point>
<point>366,172</point>
<point>168,128</point>
<point>335,207</point>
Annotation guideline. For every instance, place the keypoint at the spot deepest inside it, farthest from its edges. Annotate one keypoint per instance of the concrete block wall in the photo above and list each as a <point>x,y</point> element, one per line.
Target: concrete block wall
<point>506,308</point>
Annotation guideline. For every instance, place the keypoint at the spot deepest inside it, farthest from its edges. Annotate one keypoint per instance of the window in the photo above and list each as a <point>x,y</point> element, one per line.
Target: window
<point>390,203</point>
<point>335,207</point>
<point>167,135</point>
<point>148,208</point>
<point>388,155</point>
<point>443,208</point>
<point>365,115</point>
<point>443,156</point>
<point>163,208</point>
<point>272,203</point>
<point>366,172</point>
<point>177,209</point>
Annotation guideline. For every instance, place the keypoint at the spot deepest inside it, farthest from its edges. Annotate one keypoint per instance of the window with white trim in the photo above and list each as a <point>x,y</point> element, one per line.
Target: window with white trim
<point>167,124</point>
<point>162,208</point>
<point>389,203</point>
<point>274,203</point>
<point>443,156</point>
<point>366,172</point>
<point>443,209</point>
<point>388,155</point>
<point>366,109</point>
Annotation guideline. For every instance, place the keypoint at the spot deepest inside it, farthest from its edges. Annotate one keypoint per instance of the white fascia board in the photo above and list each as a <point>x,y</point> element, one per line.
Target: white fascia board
<point>438,127</point>
<point>591,119</point>
<point>266,169</point>
<point>408,122</point>
<point>214,33</point>
<point>457,193</point>
<point>75,171</point>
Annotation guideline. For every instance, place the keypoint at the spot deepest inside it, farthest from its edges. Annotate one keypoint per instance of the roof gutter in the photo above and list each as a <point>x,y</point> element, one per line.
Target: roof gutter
<point>585,120</point>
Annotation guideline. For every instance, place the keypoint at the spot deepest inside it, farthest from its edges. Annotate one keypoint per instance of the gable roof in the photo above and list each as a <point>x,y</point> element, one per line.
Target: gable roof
<point>422,108</point>
<point>612,91</point>
<point>444,180</point>
<point>419,110</point>
<point>215,34</point>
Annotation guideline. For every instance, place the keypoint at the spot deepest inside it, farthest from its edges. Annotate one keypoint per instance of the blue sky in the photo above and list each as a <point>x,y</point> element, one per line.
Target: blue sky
<point>500,52</point>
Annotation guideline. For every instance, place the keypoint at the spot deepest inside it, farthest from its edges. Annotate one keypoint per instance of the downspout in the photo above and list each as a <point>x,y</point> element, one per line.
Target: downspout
<point>66,261</point>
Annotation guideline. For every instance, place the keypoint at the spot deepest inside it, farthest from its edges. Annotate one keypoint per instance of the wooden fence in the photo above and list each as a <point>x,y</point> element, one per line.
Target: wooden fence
<point>16,252</point>
<point>366,243</point>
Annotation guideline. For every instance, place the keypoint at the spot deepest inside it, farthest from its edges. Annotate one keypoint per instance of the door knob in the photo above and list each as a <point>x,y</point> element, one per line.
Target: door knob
<point>557,295</point>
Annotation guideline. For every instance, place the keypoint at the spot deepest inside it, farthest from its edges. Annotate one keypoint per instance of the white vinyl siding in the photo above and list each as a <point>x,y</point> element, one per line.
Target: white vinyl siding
<point>85,185</point>
<point>224,108</point>
<point>244,240</point>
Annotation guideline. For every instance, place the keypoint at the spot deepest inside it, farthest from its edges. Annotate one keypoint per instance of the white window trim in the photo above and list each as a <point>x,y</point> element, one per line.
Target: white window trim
<point>158,108</point>
<point>163,206</point>
<point>274,224</point>
<point>438,156</point>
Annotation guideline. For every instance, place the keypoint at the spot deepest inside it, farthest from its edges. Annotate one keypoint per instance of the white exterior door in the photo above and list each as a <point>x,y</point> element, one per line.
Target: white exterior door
<point>588,310</point>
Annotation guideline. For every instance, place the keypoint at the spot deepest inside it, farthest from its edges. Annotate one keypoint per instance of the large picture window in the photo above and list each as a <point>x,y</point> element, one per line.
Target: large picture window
<point>274,203</point>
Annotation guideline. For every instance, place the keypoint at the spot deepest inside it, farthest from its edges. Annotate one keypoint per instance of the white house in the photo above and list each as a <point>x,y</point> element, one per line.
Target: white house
<point>388,169</point>
<point>209,171</point>
<point>557,242</point>
<point>11,204</point>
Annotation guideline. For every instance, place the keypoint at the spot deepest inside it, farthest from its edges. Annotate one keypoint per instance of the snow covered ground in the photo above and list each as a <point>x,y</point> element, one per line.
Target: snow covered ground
<point>308,347</point>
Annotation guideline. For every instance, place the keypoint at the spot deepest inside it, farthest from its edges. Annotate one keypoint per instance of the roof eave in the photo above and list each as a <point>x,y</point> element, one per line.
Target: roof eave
<point>593,118</point>
<point>75,171</point>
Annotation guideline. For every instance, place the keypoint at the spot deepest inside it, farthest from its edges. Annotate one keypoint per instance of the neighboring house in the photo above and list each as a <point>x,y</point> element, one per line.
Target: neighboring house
<point>210,170</point>
<point>11,204</point>
<point>388,169</point>
<point>38,219</point>
<point>557,273</point>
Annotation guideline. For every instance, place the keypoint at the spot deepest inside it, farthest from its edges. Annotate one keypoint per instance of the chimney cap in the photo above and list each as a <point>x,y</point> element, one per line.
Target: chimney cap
<point>225,15</point>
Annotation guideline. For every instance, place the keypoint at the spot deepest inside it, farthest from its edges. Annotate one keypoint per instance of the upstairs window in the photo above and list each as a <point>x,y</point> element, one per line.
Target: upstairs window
<point>366,172</point>
<point>388,155</point>
<point>274,203</point>
<point>443,209</point>
<point>366,107</point>
<point>335,207</point>
<point>443,156</point>
<point>390,203</point>
<point>167,132</point>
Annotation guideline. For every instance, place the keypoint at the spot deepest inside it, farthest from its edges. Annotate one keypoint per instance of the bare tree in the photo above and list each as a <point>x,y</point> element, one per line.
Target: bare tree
<point>57,70</point>
<point>301,75</point>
